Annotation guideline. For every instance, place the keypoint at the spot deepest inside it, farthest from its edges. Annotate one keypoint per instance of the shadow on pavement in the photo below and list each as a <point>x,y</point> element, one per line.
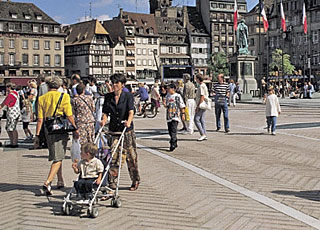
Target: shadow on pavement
<point>6,187</point>
<point>313,195</point>
<point>299,125</point>
<point>42,156</point>
<point>246,134</point>
<point>158,148</point>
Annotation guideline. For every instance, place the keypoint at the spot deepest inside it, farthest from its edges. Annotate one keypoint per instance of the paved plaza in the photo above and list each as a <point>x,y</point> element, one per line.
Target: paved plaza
<point>245,179</point>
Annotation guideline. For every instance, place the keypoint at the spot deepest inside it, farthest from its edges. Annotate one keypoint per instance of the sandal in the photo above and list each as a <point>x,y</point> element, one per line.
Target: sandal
<point>134,186</point>
<point>60,184</point>
<point>46,189</point>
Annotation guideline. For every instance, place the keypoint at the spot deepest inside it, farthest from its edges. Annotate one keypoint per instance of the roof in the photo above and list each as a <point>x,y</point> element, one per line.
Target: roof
<point>115,28</point>
<point>173,28</point>
<point>21,10</point>
<point>267,4</point>
<point>83,32</point>
<point>195,24</point>
<point>142,23</point>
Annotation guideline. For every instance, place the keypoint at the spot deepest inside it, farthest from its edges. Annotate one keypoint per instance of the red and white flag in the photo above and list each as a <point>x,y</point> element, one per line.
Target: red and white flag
<point>264,18</point>
<point>235,16</point>
<point>304,19</point>
<point>283,18</point>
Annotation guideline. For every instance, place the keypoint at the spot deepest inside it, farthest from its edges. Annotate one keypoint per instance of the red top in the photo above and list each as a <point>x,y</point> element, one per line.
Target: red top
<point>10,100</point>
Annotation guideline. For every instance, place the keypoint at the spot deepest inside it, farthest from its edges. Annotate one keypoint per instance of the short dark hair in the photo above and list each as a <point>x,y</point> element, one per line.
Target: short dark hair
<point>172,86</point>
<point>200,77</point>
<point>80,88</point>
<point>41,78</point>
<point>118,77</point>
<point>76,77</point>
<point>11,85</point>
<point>93,80</point>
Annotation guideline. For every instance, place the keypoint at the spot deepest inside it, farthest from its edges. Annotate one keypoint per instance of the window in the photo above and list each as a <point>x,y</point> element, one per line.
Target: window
<point>11,59</point>
<point>177,50</point>
<point>56,29</point>
<point>315,37</point>
<point>1,59</point>
<point>24,27</point>
<point>170,50</point>
<point>150,41</point>
<point>39,17</point>
<point>57,60</point>
<point>36,59</point>
<point>150,62</point>
<point>150,51</point>
<point>144,62</point>
<point>145,40</point>
<point>57,46</point>
<point>155,51</point>
<point>36,28</point>
<point>216,49</point>
<point>138,40</point>
<point>216,38</point>
<point>11,44</point>
<point>36,44</point>
<point>46,29</point>
<point>139,62</point>
<point>223,28</point>
<point>144,51</point>
<point>47,60</point>
<point>1,26</point>
<point>194,50</point>
<point>214,5</point>
<point>1,43</point>
<point>216,27</point>
<point>24,44</point>
<point>46,45</point>
<point>252,41</point>
<point>25,59</point>
<point>139,51</point>
<point>11,27</point>
<point>27,16</point>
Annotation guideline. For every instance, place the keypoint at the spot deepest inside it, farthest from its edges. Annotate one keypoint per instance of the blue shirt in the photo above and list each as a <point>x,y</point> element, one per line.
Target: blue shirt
<point>143,93</point>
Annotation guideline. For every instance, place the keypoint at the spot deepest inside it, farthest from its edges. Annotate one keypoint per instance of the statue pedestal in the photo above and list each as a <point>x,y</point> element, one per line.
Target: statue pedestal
<point>242,71</point>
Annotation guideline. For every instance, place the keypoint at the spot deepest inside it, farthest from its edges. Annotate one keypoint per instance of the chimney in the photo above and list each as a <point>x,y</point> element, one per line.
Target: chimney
<point>121,12</point>
<point>185,16</point>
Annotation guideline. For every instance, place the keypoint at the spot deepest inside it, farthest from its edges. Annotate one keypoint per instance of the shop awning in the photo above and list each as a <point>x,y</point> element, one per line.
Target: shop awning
<point>22,81</point>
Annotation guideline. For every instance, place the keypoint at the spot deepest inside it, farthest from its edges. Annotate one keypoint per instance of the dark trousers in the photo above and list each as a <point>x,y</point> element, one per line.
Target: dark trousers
<point>84,186</point>
<point>172,128</point>
<point>42,138</point>
<point>222,108</point>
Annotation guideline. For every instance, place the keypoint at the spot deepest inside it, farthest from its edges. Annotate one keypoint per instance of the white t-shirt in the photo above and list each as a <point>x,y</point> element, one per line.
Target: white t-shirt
<point>174,103</point>
<point>201,91</point>
<point>272,106</point>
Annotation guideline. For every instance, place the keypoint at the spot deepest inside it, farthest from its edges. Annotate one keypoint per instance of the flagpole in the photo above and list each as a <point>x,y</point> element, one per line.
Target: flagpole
<point>259,47</point>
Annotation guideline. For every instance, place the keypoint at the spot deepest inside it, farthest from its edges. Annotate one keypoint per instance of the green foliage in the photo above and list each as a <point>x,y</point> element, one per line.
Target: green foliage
<point>218,64</point>
<point>276,63</point>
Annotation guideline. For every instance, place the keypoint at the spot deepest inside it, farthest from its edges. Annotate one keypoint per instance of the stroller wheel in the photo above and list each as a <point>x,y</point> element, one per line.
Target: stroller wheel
<point>66,209</point>
<point>116,203</point>
<point>93,213</point>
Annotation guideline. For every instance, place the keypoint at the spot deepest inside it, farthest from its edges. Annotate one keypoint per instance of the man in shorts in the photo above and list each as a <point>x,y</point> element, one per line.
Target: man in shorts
<point>12,102</point>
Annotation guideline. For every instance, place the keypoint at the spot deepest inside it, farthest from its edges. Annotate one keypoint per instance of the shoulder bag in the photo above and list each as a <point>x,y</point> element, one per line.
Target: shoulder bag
<point>58,124</point>
<point>206,104</point>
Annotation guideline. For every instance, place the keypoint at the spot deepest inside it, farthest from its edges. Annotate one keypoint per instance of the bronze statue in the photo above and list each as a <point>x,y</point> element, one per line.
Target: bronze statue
<point>242,38</point>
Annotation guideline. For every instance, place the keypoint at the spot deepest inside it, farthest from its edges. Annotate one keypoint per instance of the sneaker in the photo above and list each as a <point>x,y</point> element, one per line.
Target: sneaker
<point>172,148</point>
<point>202,138</point>
<point>227,131</point>
<point>30,137</point>
<point>218,129</point>
<point>184,132</point>
<point>191,132</point>
<point>273,133</point>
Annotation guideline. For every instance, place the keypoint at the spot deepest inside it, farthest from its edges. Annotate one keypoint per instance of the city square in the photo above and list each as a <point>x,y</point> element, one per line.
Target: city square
<point>283,168</point>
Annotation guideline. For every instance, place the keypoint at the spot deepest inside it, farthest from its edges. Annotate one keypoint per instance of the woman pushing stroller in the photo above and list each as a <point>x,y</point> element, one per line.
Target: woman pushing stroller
<point>119,106</point>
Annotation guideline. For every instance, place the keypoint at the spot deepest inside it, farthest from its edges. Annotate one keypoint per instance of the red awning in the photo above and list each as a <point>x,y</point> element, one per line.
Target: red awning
<point>22,81</point>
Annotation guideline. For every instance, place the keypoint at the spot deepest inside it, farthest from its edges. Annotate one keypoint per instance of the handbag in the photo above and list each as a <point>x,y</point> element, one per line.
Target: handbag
<point>206,104</point>
<point>186,110</point>
<point>58,124</point>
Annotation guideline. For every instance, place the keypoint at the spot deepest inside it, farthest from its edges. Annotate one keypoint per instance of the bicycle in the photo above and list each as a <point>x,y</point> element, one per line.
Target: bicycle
<point>148,109</point>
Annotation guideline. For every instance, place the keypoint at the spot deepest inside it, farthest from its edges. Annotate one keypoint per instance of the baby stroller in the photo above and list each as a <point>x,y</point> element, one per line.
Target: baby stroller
<point>100,190</point>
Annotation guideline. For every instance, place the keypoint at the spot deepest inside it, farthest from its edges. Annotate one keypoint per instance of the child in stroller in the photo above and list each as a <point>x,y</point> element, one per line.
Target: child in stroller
<point>90,169</point>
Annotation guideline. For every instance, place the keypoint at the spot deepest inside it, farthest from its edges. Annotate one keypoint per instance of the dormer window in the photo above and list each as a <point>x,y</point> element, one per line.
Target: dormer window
<point>39,17</point>
<point>56,29</point>
<point>150,31</point>
<point>27,16</point>
<point>14,15</point>
<point>166,28</point>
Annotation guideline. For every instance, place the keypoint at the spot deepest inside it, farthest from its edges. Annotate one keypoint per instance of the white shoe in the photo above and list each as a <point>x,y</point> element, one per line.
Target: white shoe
<point>191,132</point>
<point>184,132</point>
<point>202,138</point>
<point>273,133</point>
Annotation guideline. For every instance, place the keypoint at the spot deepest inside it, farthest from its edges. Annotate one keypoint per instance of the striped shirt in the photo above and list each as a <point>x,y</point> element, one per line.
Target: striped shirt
<point>221,91</point>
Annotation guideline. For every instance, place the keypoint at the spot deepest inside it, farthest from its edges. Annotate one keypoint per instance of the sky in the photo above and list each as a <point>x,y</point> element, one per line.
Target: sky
<point>73,11</point>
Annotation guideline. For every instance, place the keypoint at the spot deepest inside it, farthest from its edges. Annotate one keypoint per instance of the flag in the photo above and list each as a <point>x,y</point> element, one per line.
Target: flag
<point>264,18</point>
<point>235,16</point>
<point>283,18</point>
<point>304,18</point>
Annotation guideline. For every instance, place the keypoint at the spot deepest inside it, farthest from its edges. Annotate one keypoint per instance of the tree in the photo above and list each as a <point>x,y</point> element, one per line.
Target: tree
<point>276,63</point>
<point>218,64</point>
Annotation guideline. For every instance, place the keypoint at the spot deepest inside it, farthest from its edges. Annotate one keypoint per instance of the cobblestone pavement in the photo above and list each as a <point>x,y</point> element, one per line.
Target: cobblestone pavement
<point>227,182</point>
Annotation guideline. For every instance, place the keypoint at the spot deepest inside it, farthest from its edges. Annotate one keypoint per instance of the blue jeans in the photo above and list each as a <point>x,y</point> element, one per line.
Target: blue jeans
<point>224,109</point>
<point>272,122</point>
<point>200,121</point>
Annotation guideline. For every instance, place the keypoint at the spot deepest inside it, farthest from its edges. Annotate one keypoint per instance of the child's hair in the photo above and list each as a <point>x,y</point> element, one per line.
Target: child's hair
<point>90,148</point>
<point>172,86</point>
<point>27,104</point>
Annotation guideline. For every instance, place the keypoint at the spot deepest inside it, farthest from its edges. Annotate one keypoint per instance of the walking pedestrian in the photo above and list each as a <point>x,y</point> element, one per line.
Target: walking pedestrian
<point>84,116</point>
<point>221,95</point>
<point>155,96</point>
<point>26,113</point>
<point>118,105</point>
<point>199,118</point>
<point>57,143</point>
<point>236,94</point>
<point>273,110</point>
<point>189,95</point>
<point>13,114</point>
<point>174,105</point>
<point>232,88</point>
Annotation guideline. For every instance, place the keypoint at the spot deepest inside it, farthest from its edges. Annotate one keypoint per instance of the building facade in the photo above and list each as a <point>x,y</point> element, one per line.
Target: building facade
<point>218,20</point>
<point>88,50</point>
<point>118,56</point>
<point>31,43</point>
<point>199,40</point>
